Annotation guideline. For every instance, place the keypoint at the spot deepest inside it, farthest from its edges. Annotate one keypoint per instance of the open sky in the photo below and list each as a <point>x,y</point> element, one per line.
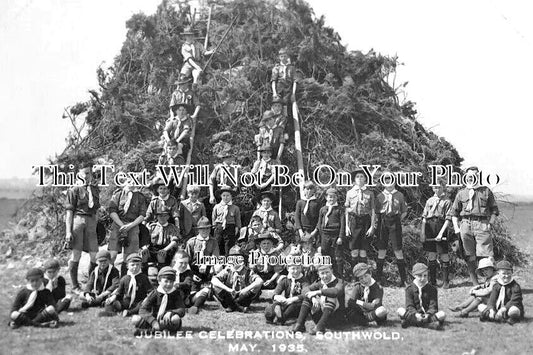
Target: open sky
<point>467,63</point>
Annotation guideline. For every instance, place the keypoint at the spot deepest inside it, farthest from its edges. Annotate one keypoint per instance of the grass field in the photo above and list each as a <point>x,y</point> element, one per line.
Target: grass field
<point>83,332</point>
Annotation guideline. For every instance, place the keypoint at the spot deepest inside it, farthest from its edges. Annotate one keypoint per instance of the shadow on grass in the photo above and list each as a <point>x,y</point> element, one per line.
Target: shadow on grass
<point>198,329</point>
<point>65,323</point>
<point>527,291</point>
<point>461,284</point>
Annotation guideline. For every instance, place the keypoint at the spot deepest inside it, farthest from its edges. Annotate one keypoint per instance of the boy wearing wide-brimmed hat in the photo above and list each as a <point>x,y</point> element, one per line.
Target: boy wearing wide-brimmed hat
<point>34,305</point>
<point>269,273</point>
<point>236,286</point>
<point>192,52</point>
<point>132,290</point>
<point>164,307</point>
<point>165,239</point>
<point>505,301</point>
<point>103,280</point>
<point>223,173</point>
<point>269,217</point>
<point>226,218</point>
<point>274,121</point>
<point>56,284</point>
<point>360,217</point>
<point>421,302</point>
<point>289,294</point>
<point>365,302</point>
<point>184,94</point>
<point>479,295</point>
<point>331,228</point>
<point>324,299</point>
<point>248,236</point>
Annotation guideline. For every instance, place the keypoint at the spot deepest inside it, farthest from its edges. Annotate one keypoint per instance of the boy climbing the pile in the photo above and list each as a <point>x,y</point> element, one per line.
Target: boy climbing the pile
<point>163,308</point>
<point>132,290</point>
<point>505,301</point>
<point>360,217</point>
<point>178,128</point>
<point>184,94</point>
<point>192,51</point>
<point>283,76</point>
<point>274,122</point>
<point>365,302</point>
<point>391,209</point>
<point>103,281</point>
<point>421,302</point>
<point>265,168</point>
<point>56,284</point>
<point>324,299</point>
<point>433,231</point>
<point>34,305</point>
<point>479,295</point>
<point>269,217</point>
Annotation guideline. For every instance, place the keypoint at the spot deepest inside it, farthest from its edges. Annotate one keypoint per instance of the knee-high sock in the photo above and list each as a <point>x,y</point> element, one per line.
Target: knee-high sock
<point>432,266</point>
<point>401,269</point>
<point>326,313</point>
<point>73,271</point>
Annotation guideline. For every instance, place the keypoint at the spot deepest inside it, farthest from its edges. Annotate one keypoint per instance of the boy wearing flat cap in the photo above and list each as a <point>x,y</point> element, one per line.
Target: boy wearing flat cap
<point>236,286</point>
<point>391,209</point>
<point>56,284</point>
<point>421,303</point>
<point>324,299</point>
<point>103,280</point>
<point>81,207</point>
<point>360,217</point>
<point>505,302</point>
<point>34,305</point>
<point>226,217</point>
<point>288,295</point>
<point>307,210</point>
<point>365,303</point>
<point>165,239</point>
<point>331,229</point>
<point>132,290</point>
<point>163,308</point>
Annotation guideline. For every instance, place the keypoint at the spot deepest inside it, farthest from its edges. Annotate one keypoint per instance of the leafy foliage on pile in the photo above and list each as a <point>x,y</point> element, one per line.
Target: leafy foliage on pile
<point>350,112</point>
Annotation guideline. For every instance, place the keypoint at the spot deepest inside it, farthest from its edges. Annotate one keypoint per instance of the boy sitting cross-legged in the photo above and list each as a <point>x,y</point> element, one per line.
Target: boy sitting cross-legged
<point>56,284</point>
<point>102,281</point>
<point>189,283</point>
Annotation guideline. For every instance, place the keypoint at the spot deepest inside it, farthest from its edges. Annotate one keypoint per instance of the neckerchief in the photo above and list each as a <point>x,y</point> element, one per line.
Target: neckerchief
<point>366,290</point>
<point>357,191</point>
<point>263,166</point>
<point>164,301</point>
<point>265,265</point>
<point>129,197</point>
<point>293,287</point>
<point>388,199</point>
<point>132,287</point>
<point>420,287</point>
<point>238,280</point>
<point>97,272</point>
<point>325,285</point>
<point>471,194</point>
<point>330,209</point>
<point>500,302</point>
<point>203,243</point>
<point>91,198</point>
<point>160,237</point>
<point>31,299</point>
<point>433,209</point>
<point>50,283</point>
<point>307,203</point>
<point>225,209</point>
<point>164,199</point>
<point>263,212</point>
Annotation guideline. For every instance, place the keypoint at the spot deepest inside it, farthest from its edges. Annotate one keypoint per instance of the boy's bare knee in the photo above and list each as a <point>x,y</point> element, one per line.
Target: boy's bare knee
<point>514,312</point>
<point>440,315</point>
<point>381,312</point>
<point>15,315</point>
<point>401,312</point>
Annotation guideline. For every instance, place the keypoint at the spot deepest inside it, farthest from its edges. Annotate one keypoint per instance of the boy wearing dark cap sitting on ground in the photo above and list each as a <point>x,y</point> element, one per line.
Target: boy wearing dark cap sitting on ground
<point>505,302</point>
<point>56,284</point>
<point>324,299</point>
<point>103,280</point>
<point>34,305</point>
<point>236,286</point>
<point>288,295</point>
<point>365,303</point>
<point>331,229</point>
<point>163,308</point>
<point>421,303</point>
<point>132,290</point>
<point>191,285</point>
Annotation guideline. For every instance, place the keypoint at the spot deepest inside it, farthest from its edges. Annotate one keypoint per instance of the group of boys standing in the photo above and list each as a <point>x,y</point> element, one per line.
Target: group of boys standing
<point>161,279</point>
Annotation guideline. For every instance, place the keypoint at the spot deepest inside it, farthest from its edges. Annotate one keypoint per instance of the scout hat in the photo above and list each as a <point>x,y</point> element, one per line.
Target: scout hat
<point>34,272</point>
<point>265,236</point>
<point>419,268</point>
<point>222,150</point>
<point>103,254</point>
<point>504,265</point>
<point>331,191</point>
<point>156,182</point>
<point>188,31</point>
<point>182,103</point>
<point>357,171</point>
<point>265,148</point>
<point>167,272</point>
<point>51,264</point>
<point>270,194</point>
<point>283,51</point>
<point>235,250</point>
<point>203,223</point>
<point>183,79</point>
<point>225,188</point>
<point>360,269</point>
<point>134,258</point>
<point>484,263</point>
